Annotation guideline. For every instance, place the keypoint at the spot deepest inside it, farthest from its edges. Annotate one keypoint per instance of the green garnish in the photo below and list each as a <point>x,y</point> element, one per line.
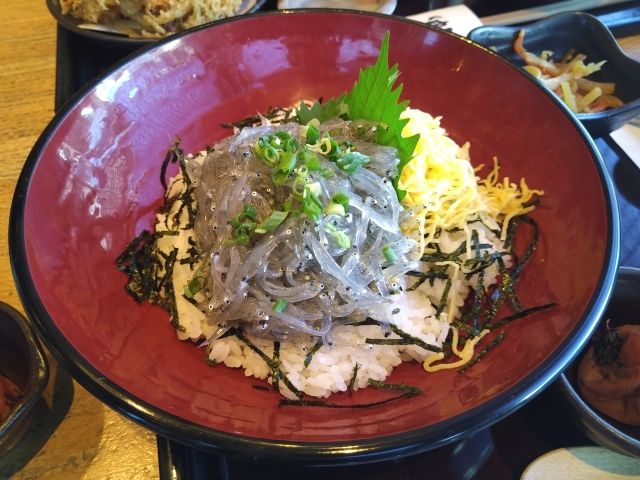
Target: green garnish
<point>310,160</point>
<point>389,254</point>
<point>341,199</point>
<point>312,134</point>
<point>271,223</point>
<point>351,161</point>
<point>332,108</point>
<point>311,205</point>
<point>339,205</point>
<point>342,239</point>
<point>279,305</point>
<point>372,98</point>
<point>267,152</point>
<point>335,209</point>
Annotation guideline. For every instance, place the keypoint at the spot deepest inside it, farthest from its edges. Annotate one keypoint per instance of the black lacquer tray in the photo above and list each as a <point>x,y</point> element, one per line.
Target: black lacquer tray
<point>503,451</point>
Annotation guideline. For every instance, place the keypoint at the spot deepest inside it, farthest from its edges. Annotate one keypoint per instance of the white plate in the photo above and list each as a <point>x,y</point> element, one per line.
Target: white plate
<point>382,6</point>
<point>580,463</point>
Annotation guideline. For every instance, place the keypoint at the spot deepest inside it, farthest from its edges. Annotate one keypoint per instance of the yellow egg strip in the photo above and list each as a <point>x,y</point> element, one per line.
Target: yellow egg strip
<point>465,354</point>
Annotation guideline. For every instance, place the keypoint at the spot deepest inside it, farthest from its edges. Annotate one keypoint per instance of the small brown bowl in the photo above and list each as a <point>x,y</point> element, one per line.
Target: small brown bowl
<point>624,308</point>
<point>23,361</point>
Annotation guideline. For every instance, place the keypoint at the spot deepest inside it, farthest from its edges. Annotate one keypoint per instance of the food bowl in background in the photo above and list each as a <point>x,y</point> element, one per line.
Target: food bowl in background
<point>624,308</point>
<point>107,37</point>
<point>23,362</point>
<point>582,33</point>
<point>99,162</point>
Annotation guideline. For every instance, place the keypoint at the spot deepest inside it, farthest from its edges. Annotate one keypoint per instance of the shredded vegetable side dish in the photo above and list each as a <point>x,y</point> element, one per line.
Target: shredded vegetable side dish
<point>567,78</point>
<point>149,18</point>
<point>321,249</point>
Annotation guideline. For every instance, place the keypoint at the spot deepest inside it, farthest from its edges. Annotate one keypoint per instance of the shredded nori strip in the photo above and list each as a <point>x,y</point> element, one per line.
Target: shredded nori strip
<point>149,270</point>
<point>311,353</point>
<point>405,338</point>
<point>407,389</point>
<point>170,157</point>
<point>272,112</point>
<point>272,363</point>
<point>146,269</point>
<point>407,392</point>
<point>354,375</point>
<point>438,272</point>
<point>521,314</point>
<point>285,402</point>
<point>277,373</point>
<point>483,304</point>
<point>443,299</point>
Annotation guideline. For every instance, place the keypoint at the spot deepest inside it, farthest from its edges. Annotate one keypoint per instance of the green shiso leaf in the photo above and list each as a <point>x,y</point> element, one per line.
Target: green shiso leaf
<point>332,108</point>
<point>372,98</point>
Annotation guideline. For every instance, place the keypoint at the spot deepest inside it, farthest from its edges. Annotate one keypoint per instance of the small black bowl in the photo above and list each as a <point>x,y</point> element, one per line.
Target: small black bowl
<point>23,361</point>
<point>624,308</point>
<point>584,34</point>
<point>109,39</point>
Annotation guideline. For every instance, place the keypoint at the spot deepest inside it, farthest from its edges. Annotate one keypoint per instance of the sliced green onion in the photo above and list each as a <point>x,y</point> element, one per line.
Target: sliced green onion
<point>269,155</point>
<point>350,162</point>
<point>271,223</point>
<point>341,199</point>
<point>235,221</point>
<point>325,146</point>
<point>249,211</point>
<point>302,170</point>
<point>309,159</point>
<point>311,205</point>
<point>335,209</point>
<point>279,177</point>
<point>240,239</point>
<point>298,187</point>
<point>291,145</point>
<point>314,188</point>
<point>192,287</point>
<point>275,141</point>
<point>287,162</point>
<point>342,239</point>
<point>389,254</point>
<point>279,305</point>
<point>283,135</point>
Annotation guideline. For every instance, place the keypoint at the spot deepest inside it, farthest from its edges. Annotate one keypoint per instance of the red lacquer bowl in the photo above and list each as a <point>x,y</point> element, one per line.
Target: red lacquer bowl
<point>91,184</point>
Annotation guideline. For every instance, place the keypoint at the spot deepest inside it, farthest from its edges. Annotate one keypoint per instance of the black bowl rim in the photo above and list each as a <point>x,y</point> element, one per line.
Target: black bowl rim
<point>599,423</point>
<point>564,20</point>
<point>38,371</point>
<point>105,38</point>
<point>309,453</point>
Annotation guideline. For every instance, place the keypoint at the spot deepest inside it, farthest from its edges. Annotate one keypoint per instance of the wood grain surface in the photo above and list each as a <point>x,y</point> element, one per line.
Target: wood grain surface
<point>88,440</point>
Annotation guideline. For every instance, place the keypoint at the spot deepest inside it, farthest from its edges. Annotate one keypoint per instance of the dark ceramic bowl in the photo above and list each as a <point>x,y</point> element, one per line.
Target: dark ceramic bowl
<point>23,361</point>
<point>585,34</point>
<point>97,165</point>
<point>115,40</point>
<point>624,308</point>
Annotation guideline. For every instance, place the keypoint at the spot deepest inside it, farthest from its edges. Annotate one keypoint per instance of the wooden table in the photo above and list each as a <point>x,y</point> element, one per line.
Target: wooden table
<point>92,442</point>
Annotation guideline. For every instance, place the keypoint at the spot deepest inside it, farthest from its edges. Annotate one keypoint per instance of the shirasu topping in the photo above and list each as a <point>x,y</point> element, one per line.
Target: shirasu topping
<point>300,229</point>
